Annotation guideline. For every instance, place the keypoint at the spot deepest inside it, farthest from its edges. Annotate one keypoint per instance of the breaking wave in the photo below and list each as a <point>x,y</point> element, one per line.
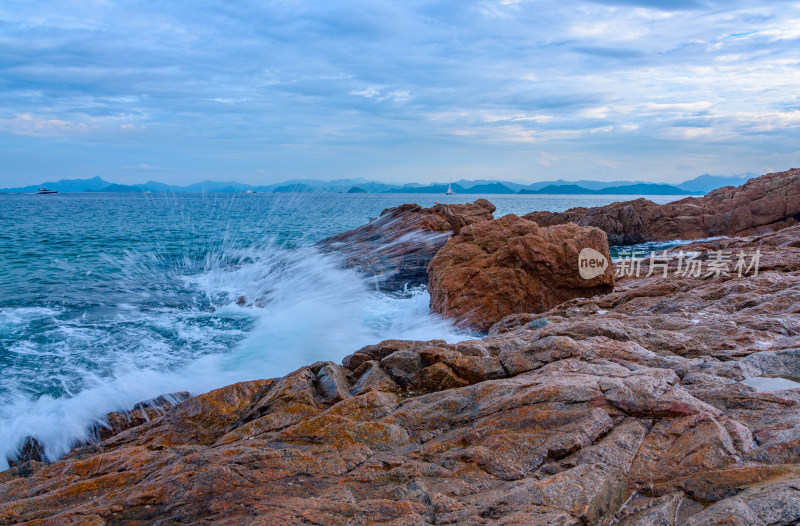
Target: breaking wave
<point>246,314</point>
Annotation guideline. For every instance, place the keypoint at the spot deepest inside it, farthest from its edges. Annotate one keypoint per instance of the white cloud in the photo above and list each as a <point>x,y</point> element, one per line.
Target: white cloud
<point>599,112</point>
<point>399,95</point>
<point>787,30</point>
<point>27,124</point>
<point>379,93</point>
<point>768,120</point>
<point>693,134</point>
<point>547,159</point>
<point>229,100</point>
<point>680,107</point>
<point>369,93</point>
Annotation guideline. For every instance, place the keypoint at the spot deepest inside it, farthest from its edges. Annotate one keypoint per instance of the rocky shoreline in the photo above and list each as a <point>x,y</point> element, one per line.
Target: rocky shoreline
<point>619,401</point>
<point>761,205</point>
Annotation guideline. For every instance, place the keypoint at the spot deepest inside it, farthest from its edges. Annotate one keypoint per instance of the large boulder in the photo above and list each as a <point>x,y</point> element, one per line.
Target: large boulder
<point>396,247</point>
<point>764,204</point>
<point>512,265</point>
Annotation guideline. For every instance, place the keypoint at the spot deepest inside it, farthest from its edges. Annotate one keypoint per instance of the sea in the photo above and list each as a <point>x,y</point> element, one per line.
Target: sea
<point>107,300</point>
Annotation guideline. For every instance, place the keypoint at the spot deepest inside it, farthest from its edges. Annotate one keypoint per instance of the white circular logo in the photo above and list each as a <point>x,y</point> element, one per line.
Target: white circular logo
<point>591,263</point>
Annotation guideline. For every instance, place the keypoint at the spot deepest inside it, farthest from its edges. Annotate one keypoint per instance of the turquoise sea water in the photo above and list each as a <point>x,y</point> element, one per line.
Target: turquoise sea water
<point>106,299</point>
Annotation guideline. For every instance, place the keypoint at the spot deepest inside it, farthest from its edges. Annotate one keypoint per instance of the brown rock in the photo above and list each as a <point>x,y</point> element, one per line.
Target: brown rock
<point>332,383</point>
<point>586,492</point>
<point>668,510</point>
<point>476,369</point>
<point>764,204</point>
<point>141,413</point>
<point>718,484</point>
<point>404,367</point>
<point>371,376</point>
<point>31,450</point>
<point>775,502</point>
<point>438,377</point>
<point>395,248</point>
<point>496,268</point>
<point>539,353</point>
<point>677,447</point>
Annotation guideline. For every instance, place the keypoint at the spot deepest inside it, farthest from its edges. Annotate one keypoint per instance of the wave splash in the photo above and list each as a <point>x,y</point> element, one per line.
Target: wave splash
<point>300,306</point>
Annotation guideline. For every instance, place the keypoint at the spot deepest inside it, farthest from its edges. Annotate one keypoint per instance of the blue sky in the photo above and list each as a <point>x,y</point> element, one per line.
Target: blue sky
<point>261,92</point>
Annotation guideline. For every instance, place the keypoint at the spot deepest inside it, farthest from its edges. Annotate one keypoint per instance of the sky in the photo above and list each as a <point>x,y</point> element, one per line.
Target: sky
<point>264,91</point>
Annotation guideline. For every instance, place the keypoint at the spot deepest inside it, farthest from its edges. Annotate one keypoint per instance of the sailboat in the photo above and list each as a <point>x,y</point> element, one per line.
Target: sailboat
<point>450,189</point>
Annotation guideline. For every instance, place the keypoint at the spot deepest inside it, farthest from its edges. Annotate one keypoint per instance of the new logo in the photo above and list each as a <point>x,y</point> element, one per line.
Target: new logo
<point>591,263</point>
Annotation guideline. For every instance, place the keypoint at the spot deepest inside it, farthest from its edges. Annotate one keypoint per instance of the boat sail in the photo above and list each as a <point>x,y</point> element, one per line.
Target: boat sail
<point>450,189</point>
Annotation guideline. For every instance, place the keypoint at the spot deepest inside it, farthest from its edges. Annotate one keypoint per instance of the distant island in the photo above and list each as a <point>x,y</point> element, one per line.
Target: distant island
<point>697,186</point>
<point>630,189</point>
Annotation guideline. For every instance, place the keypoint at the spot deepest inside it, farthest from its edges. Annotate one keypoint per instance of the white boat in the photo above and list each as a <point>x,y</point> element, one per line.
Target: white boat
<point>450,189</point>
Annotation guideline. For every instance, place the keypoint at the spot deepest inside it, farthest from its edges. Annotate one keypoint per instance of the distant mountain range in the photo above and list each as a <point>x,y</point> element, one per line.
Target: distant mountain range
<point>629,189</point>
<point>699,185</point>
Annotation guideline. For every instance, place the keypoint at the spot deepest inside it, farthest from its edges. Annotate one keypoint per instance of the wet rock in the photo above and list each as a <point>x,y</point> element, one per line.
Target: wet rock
<point>30,450</point>
<point>385,348</point>
<point>396,247</point>
<point>333,384</point>
<point>139,414</point>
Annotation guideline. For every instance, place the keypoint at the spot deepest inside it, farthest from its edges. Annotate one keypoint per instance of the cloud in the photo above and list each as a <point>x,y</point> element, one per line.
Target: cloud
<point>318,90</point>
<point>368,92</point>
<point>381,93</point>
<point>547,159</point>
<point>27,124</point>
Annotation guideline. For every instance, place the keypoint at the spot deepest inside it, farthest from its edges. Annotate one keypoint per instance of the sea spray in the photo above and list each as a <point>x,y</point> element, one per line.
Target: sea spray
<point>302,306</point>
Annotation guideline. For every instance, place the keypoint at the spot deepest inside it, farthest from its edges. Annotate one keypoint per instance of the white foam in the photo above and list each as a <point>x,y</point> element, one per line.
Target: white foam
<point>306,308</point>
<point>11,318</point>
